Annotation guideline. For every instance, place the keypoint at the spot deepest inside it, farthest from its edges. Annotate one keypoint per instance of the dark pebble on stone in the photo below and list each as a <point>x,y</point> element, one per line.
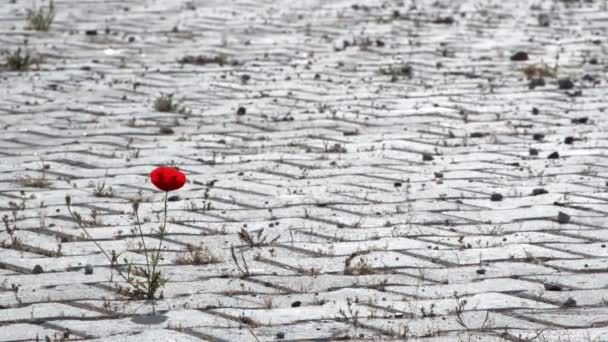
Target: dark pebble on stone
<point>582,120</point>
<point>538,136</point>
<point>519,56</point>
<point>563,217</point>
<point>88,269</point>
<point>537,82</point>
<point>565,84</point>
<point>535,111</point>
<point>539,191</point>
<point>280,335</point>
<point>588,78</point>
<point>569,140</point>
<point>427,157</point>
<point>533,152</point>
<point>544,20</point>
<point>444,20</point>
<point>37,269</point>
<point>296,304</point>
<point>496,197</point>
<point>173,198</point>
<point>554,155</point>
<point>570,302</point>
<point>165,130</point>
<point>552,287</point>
<point>241,111</point>
<point>478,134</point>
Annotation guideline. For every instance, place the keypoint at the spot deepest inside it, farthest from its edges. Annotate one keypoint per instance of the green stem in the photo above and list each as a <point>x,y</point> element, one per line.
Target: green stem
<point>156,259</point>
<point>143,241</point>
<point>110,259</point>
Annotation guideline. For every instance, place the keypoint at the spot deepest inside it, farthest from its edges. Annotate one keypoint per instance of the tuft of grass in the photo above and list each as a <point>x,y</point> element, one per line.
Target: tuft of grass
<point>20,60</point>
<point>166,103</point>
<point>256,240</point>
<point>102,190</point>
<point>33,182</point>
<point>539,71</point>
<point>221,59</point>
<point>196,256</point>
<point>397,71</point>
<point>360,266</point>
<point>41,18</point>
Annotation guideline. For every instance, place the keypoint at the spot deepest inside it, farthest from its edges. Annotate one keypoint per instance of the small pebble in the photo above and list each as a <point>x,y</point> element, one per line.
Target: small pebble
<point>37,269</point>
<point>520,56</point>
<point>88,269</point>
<point>563,217</point>
<point>496,197</point>
<point>552,287</point>
<point>565,84</point>
<point>427,157</point>
<point>570,302</point>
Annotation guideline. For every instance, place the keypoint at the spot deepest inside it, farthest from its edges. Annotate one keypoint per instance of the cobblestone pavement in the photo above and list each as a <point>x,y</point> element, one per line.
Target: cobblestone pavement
<point>383,170</point>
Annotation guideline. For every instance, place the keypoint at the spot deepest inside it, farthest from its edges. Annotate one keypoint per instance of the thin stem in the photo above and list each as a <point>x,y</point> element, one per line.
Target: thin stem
<point>162,236</point>
<point>143,242</point>
<point>81,225</point>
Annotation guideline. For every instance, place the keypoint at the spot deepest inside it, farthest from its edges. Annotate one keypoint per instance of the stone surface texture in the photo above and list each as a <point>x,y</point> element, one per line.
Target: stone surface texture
<point>429,170</point>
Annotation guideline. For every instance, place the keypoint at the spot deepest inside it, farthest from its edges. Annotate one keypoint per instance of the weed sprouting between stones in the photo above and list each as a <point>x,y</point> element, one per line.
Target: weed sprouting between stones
<point>41,18</point>
<point>20,60</point>
<point>144,281</point>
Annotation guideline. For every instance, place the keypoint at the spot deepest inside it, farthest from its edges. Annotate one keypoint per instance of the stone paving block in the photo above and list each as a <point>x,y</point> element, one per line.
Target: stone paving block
<point>26,332</point>
<point>44,311</point>
<point>431,326</point>
<point>176,319</point>
<point>591,334</point>
<point>150,335</point>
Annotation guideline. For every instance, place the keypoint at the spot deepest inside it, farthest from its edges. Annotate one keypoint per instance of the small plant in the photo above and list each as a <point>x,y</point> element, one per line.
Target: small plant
<point>102,190</point>
<point>10,222</point>
<point>396,71</point>
<point>335,148</point>
<point>221,59</point>
<point>196,256</point>
<point>41,19</point>
<point>20,60</point>
<point>257,240</point>
<point>351,314</point>
<point>240,265</point>
<point>360,267</point>
<point>166,103</point>
<point>35,182</point>
<point>166,179</point>
<point>539,71</point>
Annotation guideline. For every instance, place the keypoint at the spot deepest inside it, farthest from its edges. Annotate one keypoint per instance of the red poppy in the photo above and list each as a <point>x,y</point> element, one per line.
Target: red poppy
<point>167,178</point>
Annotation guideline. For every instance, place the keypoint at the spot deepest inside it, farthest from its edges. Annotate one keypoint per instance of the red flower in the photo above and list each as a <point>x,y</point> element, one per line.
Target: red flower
<point>167,178</point>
